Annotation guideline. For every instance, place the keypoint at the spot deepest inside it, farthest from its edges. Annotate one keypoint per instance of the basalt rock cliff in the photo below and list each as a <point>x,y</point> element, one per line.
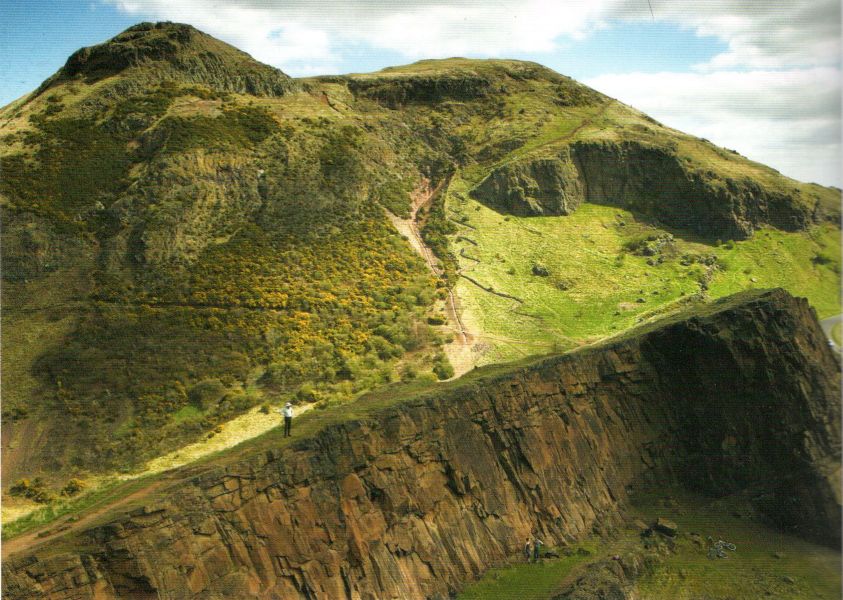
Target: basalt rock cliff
<point>425,494</point>
<point>646,178</point>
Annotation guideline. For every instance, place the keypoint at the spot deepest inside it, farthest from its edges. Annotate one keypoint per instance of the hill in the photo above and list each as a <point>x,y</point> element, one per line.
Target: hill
<point>189,233</point>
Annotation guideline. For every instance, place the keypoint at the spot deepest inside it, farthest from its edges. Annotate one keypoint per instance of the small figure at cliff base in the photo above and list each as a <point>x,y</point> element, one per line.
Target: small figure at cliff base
<point>537,548</point>
<point>287,411</point>
<point>527,550</point>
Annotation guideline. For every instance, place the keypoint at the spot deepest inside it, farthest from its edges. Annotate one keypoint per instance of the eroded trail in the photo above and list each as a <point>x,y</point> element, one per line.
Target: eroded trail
<point>69,523</point>
<point>234,432</point>
<point>459,351</point>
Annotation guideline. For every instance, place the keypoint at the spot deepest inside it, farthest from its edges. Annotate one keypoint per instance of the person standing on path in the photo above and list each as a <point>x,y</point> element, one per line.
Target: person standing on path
<point>537,548</point>
<point>527,549</point>
<point>287,411</point>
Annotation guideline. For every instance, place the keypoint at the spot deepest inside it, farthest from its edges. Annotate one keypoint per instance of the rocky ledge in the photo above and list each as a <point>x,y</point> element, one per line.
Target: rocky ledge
<point>649,179</point>
<point>424,495</point>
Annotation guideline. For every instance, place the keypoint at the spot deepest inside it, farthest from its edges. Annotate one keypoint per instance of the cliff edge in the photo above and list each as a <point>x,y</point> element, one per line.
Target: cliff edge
<point>423,495</point>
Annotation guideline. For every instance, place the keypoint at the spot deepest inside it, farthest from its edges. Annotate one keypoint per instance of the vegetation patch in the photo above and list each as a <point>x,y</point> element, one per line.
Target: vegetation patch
<point>609,270</point>
<point>323,320</point>
<point>236,128</point>
<point>78,168</point>
<point>530,581</point>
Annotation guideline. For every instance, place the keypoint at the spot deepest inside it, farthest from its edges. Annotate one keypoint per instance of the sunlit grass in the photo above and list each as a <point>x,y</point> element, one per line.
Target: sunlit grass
<point>528,581</point>
<point>597,287</point>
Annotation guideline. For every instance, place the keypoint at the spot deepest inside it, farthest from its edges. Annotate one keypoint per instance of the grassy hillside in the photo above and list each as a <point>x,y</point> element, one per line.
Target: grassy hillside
<point>189,233</point>
<point>602,270</point>
<point>177,254</point>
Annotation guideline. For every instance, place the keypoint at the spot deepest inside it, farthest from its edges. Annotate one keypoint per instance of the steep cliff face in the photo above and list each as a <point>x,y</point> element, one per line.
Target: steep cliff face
<point>646,178</point>
<point>426,494</point>
<point>536,187</point>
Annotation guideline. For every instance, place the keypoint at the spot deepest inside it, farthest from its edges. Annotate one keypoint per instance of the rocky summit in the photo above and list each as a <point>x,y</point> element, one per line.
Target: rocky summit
<point>191,238</point>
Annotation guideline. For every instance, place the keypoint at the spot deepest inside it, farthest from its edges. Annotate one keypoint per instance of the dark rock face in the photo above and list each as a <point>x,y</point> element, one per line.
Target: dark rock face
<point>398,91</point>
<point>538,187</point>
<point>653,180</point>
<point>179,52</point>
<point>427,494</point>
<point>643,178</point>
<point>32,247</point>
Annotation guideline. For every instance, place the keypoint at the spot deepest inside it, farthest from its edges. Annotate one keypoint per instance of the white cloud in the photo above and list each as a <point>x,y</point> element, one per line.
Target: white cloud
<point>284,34</point>
<point>759,33</point>
<point>776,84</point>
<point>787,119</point>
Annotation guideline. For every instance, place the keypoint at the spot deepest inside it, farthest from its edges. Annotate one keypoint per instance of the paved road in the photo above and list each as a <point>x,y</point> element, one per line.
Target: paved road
<point>827,324</point>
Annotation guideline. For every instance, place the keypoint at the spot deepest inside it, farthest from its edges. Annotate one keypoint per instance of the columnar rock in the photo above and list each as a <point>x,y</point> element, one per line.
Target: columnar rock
<point>424,495</point>
<point>645,178</point>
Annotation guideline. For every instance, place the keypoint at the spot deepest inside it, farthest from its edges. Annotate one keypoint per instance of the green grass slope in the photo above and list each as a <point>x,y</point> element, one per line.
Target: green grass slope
<point>600,280</point>
<point>188,233</point>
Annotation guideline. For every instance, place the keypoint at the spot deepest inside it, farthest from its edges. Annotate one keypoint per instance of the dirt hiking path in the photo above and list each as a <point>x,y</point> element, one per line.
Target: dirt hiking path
<point>238,430</point>
<point>38,537</point>
<point>460,351</point>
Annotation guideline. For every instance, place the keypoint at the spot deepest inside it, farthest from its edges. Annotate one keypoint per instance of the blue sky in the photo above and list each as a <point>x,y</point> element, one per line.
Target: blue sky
<point>620,46</point>
<point>760,77</point>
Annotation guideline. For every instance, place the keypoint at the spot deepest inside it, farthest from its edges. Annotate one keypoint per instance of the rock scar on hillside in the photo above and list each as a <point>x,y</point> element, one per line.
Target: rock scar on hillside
<point>421,197</point>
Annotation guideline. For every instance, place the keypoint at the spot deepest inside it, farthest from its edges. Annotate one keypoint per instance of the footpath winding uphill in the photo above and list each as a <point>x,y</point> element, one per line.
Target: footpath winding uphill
<point>460,351</point>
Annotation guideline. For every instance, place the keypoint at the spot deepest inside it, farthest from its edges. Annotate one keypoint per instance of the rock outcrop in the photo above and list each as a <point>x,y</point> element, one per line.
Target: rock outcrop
<point>649,179</point>
<point>611,578</point>
<point>397,91</point>
<point>537,187</point>
<point>175,52</point>
<point>427,493</point>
